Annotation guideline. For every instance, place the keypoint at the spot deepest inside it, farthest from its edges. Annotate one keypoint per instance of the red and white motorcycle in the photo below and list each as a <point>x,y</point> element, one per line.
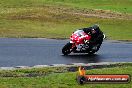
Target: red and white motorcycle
<point>79,43</point>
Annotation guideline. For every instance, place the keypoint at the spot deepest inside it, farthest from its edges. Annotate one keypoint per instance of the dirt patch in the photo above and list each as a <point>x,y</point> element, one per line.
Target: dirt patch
<point>95,13</point>
<point>91,13</point>
<point>54,13</point>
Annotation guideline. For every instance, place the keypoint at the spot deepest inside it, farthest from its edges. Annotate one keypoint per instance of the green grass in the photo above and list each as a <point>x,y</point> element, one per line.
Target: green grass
<point>123,6</point>
<point>46,19</point>
<point>58,77</point>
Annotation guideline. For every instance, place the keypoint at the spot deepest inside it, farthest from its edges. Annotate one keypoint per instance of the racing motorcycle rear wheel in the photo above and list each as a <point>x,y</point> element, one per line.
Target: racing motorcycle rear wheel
<point>93,51</point>
<point>67,48</point>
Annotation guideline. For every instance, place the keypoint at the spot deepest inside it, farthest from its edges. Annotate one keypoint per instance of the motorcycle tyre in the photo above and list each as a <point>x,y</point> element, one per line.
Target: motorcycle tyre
<point>67,48</point>
<point>93,51</point>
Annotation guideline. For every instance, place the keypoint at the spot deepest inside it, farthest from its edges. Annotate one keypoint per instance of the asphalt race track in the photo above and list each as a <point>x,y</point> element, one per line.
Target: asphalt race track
<point>30,52</point>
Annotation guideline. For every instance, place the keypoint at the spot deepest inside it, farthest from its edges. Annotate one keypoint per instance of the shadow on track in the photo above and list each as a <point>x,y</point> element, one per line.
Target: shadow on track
<point>85,58</point>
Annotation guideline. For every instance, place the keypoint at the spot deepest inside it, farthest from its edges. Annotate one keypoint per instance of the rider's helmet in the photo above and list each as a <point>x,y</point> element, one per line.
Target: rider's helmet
<point>93,31</point>
<point>95,28</point>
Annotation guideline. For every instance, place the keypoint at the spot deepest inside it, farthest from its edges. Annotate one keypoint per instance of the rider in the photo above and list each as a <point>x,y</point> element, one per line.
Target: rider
<point>95,33</point>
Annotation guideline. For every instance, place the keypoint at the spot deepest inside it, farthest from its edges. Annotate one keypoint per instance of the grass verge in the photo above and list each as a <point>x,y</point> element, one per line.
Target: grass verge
<point>59,77</point>
<point>59,18</point>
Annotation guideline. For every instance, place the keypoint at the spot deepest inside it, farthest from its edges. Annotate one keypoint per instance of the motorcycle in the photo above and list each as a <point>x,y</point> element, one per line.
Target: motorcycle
<point>79,43</point>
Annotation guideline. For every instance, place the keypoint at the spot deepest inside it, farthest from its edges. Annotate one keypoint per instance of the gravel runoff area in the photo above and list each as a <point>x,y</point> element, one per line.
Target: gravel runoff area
<point>71,67</point>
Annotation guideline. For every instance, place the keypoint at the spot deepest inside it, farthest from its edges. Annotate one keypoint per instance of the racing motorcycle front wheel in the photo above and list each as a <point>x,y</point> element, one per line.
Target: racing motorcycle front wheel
<point>67,48</point>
